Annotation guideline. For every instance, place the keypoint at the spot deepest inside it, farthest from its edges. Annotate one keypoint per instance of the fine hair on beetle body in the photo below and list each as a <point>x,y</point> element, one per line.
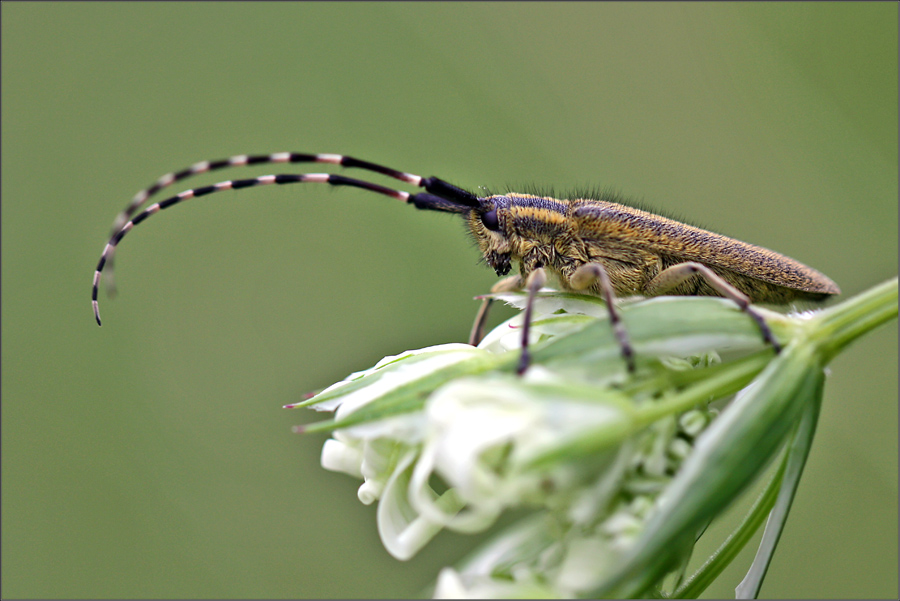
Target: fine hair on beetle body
<point>590,243</point>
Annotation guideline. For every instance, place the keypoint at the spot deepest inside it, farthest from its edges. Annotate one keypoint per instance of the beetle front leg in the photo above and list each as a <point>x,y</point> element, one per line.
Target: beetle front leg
<point>510,284</point>
<point>535,281</point>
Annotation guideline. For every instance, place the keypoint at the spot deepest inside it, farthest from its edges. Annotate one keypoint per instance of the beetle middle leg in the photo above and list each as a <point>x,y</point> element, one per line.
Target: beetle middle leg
<point>673,276</point>
<point>583,278</point>
<point>592,273</point>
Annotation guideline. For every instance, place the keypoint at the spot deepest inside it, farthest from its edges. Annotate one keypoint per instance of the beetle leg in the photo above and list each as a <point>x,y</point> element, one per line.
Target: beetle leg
<point>535,281</point>
<point>585,277</point>
<point>673,276</point>
<point>510,284</point>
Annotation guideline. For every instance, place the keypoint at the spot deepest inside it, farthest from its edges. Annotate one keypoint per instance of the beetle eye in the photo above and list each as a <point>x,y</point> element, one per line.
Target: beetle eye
<point>490,220</point>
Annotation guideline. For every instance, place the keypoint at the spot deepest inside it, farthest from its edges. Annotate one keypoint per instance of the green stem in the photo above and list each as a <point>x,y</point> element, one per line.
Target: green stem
<point>835,328</point>
<point>729,380</point>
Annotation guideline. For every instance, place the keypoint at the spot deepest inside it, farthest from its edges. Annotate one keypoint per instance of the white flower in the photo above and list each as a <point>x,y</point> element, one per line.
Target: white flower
<point>620,472</point>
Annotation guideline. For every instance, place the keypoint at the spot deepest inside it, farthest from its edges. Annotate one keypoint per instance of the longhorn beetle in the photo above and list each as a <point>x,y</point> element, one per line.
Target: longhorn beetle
<point>590,245</point>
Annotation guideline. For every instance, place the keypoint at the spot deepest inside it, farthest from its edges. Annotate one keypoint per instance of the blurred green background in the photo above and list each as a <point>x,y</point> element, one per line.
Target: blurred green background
<point>151,458</point>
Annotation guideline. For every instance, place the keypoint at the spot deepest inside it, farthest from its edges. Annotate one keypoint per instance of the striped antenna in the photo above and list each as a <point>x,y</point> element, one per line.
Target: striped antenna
<point>439,195</point>
<point>240,160</point>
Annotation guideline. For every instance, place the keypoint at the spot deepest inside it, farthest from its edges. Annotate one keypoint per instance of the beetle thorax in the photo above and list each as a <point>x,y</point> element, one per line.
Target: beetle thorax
<point>530,230</point>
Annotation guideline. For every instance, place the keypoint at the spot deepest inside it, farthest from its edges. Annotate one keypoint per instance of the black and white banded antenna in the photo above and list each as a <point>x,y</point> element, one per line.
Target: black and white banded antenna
<point>439,195</point>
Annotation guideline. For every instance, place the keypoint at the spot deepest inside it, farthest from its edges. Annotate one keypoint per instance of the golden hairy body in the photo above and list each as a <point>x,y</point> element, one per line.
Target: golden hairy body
<point>634,247</point>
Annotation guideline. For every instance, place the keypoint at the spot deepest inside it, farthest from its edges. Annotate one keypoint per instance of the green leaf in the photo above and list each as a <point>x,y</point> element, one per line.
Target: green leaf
<point>798,452</point>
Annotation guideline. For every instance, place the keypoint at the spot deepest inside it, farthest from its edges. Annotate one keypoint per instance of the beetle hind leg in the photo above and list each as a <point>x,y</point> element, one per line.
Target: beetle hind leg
<point>670,278</point>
